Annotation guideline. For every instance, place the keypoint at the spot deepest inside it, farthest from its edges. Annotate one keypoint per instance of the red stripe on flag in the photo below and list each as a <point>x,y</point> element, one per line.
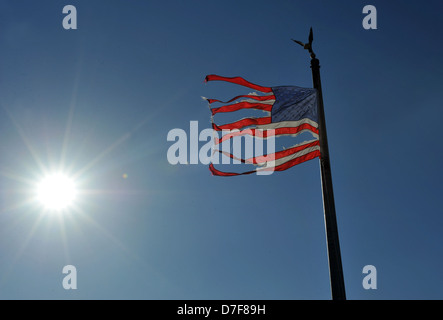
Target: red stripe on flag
<point>282,167</point>
<point>263,133</point>
<point>239,81</point>
<point>216,172</point>
<point>250,96</point>
<point>301,159</point>
<point>283,153</point>
<point>273,156</point>
<point>242,105</point>
<point>242,123</point>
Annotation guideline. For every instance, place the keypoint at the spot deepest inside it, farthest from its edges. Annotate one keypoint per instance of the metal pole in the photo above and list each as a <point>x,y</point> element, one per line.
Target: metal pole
<point>335,266</point>
<point>334,256</point>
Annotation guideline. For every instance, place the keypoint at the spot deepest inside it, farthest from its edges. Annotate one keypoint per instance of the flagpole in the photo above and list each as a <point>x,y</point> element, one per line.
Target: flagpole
<point>334,256</point>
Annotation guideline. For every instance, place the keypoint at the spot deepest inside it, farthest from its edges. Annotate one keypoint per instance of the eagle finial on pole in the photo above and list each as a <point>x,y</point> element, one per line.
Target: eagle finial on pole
<point>307,46</point>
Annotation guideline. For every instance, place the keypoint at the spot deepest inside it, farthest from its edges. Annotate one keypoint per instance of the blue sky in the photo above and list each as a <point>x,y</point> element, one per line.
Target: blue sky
<point>99,101</point>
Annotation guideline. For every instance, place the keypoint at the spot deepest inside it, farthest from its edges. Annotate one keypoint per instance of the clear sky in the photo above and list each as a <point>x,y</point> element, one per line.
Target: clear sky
<point>98,102</point>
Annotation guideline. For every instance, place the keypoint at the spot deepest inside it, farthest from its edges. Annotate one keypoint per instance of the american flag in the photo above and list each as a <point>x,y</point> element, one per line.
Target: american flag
<point>290,110</point>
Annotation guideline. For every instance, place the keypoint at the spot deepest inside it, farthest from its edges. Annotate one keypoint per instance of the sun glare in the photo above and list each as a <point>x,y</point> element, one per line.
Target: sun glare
<point>56,192</point>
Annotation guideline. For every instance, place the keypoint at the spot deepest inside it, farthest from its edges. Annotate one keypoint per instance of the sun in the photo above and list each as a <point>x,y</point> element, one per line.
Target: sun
<point>56,192</point>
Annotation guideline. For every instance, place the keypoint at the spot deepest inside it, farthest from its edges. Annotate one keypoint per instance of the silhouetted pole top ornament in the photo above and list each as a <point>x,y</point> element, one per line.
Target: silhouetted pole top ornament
<point>307,46</point>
